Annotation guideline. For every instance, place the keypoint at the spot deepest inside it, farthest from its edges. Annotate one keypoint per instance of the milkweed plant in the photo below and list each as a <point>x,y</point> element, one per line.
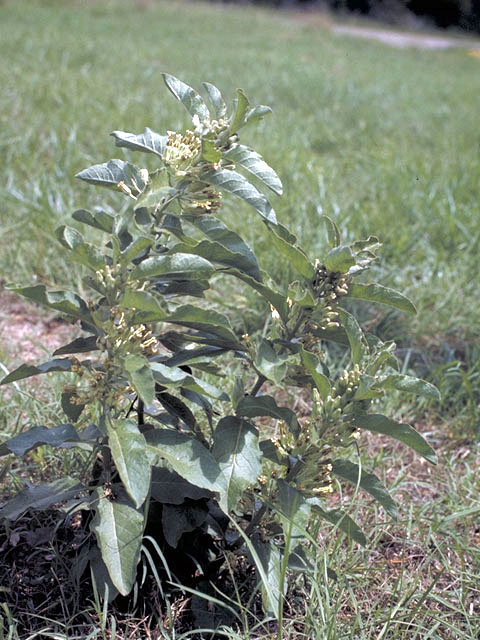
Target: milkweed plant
<point>186,420</point>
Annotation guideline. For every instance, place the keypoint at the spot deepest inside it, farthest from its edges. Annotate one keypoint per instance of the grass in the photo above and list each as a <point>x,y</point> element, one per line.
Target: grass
<point>384,141</point>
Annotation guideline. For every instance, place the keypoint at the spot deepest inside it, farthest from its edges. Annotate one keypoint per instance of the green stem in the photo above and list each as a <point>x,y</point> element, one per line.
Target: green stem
<point>258,384</point>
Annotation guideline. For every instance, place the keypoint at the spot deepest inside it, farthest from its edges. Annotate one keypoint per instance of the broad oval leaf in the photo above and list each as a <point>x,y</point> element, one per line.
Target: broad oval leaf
<point>175,266</point>
<point>128,447</point>
<point>294,511</point>
<point>180,519</point>
<point>169,487</point>
<point>98,220</point>
<point>378,293</point>
<point>41,496</point>
<point>253,406</point>
<point>64,301</point>
<point>355,335</point>
<point>339,259</point>
<point>139,374</point>
<point>269,363</point>
<point>188,457</point>
<point>216,99</point>
<point>82,252</point>
<point>339,519</point>
<point>118,527</point>
<point>239,186</point>
<point>190,99</point>
<point>256,165</point>
<point>39,436</point>
<point>27,371</point>
<point>368,481</point>
<point>148,141</point>
<point>409,384</point>
<point>146,304</point>
<point>79,345</point>
<point>236,449</point>
<point>294,256</point>
<point>111,173</point>
<point>313,365</point>
<point>398,430</point>
<point>205,320</point>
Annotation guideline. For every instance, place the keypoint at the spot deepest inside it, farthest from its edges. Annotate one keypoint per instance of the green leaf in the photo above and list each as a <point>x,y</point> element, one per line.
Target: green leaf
<point>128,447</point>
<point>139,374</point>
<point>79,345</point>
<point>190,99</point>
<point>27,371</point>
<point>82,252</point>
<point>146,304</point>
<point>41,496</point>
<point>39,436</point>
<point>313,365</point>
<point>339,519</point>
<point>180,519</point>
<point>216,99</point>
<point>170,488</point>
<point>333,234</point>
<point>236,184</point>
<point>275,298</point>
<point>356,338</point>
<point>368,482</point>
<point>235,448</point>
<point>118,526</point>
<point>178,410</point>
<point>241,110</point>
<point>157,193</point>
<point>339,259</point>
<point>170,376</point>
<point>251,407</point>
<point>378,293</point>
<point>270,570</point>
<point>205,320</point>
<point>254,163</point>
<point>188,457</point>
<point>64,301</point>
<point>138,246</point>
<point>98,220</point>
<point>269,363</point>
<point>105,587</point>
<point>409,384</point>
<point>72,410</point>
<point>111,173</point>
<point>294,511</point>
<point>176,266</point>
<point>294,256</point>
<point>210,153</point>
<point>257,113</point>
<point>398,430</point>
<point>148,141</point>
<point>235,253</point>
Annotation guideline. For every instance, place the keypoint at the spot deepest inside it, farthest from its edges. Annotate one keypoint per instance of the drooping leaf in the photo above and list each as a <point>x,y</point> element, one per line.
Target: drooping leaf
<point>235,448</point>
<point>182,266</point>
<point>38,436</point>
<point>339,259</point>
<point>251,407</point>
<point>128,447</point>
<point>148,141</point>
<point>41,496</point>
<point>257,113</point>
<point>188,457</point>
<point>254,163</point>
<point>205,320</point>
<point>180,519</point>
<point>169,487</point>
<point>368,481</point>
<point>313,365</point>
<point>190,99</point>
<point>72,410</point>
<point>140,377</point>
<point>118,527</point>
<point>236,184</point>
<point>236,252</point>
<point>398,430</point>
<point>409,384</point>
<point>270,364</point>
<point>82,252</point>
<point>294,511</point>
<point>171,376</point>
<point>98,220</point>
<point>356,338</point>
<point>79,345</point>
<point>339,519</point>
<point>216,99</point>
<point>378,293</point>
<point>27,370</point>
<point>177,409</point>
<point>64,301</point>
<point>139,246</point>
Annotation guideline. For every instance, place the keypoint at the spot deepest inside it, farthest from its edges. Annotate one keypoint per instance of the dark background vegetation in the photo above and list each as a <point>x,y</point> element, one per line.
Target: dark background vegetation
<point>464,14</point>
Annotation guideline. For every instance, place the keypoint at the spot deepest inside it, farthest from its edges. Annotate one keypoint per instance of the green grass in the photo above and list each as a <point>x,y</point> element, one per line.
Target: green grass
<point>384,141</point>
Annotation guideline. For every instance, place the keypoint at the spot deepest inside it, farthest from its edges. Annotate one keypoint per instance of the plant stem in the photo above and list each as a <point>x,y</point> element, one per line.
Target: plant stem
<point>256,387</point>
